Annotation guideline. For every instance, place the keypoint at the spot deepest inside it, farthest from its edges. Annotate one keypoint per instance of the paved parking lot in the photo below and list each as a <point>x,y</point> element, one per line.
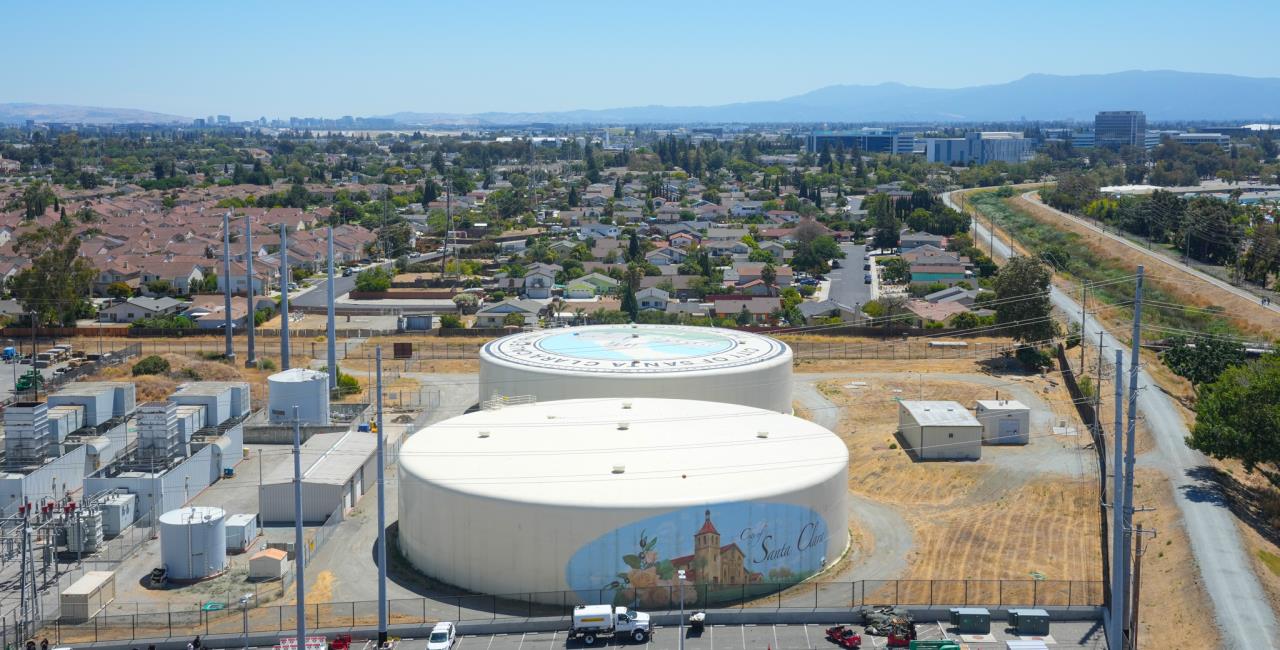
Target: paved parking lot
<point>1067,635</point>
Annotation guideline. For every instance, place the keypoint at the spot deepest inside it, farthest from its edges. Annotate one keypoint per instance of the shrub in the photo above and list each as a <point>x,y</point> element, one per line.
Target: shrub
<point>152,365</point>
<point>266,364</point>
<point>450,321</point>
<point>347,385</point>
<point>1033,359</point>
<point>375,279</point>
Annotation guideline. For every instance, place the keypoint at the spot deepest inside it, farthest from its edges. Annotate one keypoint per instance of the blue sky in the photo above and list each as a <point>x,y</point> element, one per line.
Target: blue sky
<point>320,58</point>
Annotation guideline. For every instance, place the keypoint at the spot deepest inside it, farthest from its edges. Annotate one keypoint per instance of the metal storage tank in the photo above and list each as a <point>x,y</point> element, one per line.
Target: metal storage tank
<point>1004,422</point>
<point>193,542</point>
<point>562,496</point>
<point>671,361</point>
<point>301,387</point>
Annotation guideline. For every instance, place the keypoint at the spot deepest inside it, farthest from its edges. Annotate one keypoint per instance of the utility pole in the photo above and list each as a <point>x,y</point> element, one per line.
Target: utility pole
<point>382,512</point>
<point>1115,629</point>
<point>284,297</point>
<point>448,229</point>
<point>332,344</point>
<point>228,323</point>
<point>251,360</point>
<point>1137,585</point>
<point>1130,430</point>
<point>1084,300</point>
<point>299,553</point>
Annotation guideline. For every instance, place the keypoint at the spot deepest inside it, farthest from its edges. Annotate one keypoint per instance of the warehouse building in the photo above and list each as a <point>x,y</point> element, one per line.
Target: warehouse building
<point>337,469</point>
<point>936,430</point>
<point>1004,421</point>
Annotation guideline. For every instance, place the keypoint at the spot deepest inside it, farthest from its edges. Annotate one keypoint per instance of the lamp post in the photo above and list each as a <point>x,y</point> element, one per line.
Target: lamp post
<point>244,612</point>
<point>680,581</point>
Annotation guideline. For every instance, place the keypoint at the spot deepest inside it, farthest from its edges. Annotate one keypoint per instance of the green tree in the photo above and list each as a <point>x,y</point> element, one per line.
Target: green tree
<point>36,198</point>
<point>450,321</point>
<point>160,287</point>
<point>56,284</point>
<point>513,320</point>
<point>374,279</point>
<point>1238,416</point>
<point>768,274</point>
<point>119,290</point>
<point>1022,289</point>
<point>744,317</point>
<point>1203,359</point>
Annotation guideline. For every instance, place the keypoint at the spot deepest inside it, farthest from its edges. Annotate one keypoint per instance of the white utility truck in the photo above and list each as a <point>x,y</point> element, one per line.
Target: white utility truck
<point>591,622</point>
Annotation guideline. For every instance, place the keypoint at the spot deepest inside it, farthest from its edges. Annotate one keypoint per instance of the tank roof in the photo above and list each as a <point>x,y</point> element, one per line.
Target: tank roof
<point>635,350</point>
<point>191,515</point>
<point>642,451</point>
<point>298,375</point>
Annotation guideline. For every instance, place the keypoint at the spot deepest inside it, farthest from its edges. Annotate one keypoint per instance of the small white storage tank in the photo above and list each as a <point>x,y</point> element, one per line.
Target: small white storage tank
<point>87,596</point>
<point>268,564</point>
<point>301,387</point>
<point>242,529</point>
<point>193,542</point>
<point>1004,422</point>
<point>119,511</point>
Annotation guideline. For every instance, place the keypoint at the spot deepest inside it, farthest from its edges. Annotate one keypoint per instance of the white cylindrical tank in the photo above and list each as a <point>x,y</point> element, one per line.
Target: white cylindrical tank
<point>301,387</point>
<point>608,498</point>
<point>671,361</point>
<point>193,542</point>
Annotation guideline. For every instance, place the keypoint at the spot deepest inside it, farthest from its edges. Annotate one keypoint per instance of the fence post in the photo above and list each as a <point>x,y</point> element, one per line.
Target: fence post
<point>931,593</point>
<point>1035,591</point>
<point>966,592</point>
<point>135,626</point>
<point>1070,583</point>
<point>896,595</point>
<point>1000,594</point>
<point>494,609</point>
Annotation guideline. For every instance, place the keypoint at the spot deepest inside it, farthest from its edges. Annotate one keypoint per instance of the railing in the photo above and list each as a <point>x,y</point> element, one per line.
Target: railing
<point>421,611</point>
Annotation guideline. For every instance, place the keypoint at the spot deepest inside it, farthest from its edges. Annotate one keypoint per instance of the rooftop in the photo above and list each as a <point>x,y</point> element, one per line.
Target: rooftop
<point>940,413</point>
<point>330,458</point>
<point>668,453</point>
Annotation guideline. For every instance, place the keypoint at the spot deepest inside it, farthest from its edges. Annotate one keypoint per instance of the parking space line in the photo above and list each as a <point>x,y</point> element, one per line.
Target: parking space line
<point>521,646</point>
<point>491,638</point>
<point>743,629</point>
<point>775,637</point>
<point>712,635</point>
<point>807,642</point>
<point>553,638</point>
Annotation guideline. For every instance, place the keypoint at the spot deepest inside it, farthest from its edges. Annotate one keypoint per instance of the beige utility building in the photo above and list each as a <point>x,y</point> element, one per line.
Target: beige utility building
<point>1004,421</point>
<point>935,430</point>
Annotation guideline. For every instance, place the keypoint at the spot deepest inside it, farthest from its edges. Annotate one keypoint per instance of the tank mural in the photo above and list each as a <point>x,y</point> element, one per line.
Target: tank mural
<point>727,551</point>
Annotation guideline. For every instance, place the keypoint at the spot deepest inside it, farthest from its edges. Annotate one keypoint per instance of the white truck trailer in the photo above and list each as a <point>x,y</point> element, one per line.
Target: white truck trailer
<point>591,622</point>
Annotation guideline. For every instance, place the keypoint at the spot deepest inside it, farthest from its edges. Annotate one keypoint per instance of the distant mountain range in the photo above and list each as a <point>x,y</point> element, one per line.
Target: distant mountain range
<point>19,113</point>
<point>1162,94</point>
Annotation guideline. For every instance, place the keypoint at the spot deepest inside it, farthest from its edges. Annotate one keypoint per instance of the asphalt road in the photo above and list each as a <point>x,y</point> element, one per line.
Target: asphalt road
<point>847,287</point>
<point>318,297</point>
<point>1243,615</point>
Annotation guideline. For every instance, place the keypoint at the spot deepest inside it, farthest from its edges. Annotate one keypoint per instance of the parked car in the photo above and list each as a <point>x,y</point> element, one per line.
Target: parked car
<point>443,636</point>
<point>347,272</point>
<point>866,267</point>
<point>866,279</point>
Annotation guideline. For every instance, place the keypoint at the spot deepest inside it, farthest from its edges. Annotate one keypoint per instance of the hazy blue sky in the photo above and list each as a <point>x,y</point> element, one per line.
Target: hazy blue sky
<point>321,58</point>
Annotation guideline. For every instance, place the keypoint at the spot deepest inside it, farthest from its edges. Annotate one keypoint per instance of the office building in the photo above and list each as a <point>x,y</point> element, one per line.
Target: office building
<point>980,148</point>
<point>1193,139</point>
<point>866,140</point>
<point>1115,129</point>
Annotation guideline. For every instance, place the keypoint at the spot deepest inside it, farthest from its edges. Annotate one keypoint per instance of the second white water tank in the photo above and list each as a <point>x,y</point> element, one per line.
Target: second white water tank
<point>193,542</point>
<point>301,387</point>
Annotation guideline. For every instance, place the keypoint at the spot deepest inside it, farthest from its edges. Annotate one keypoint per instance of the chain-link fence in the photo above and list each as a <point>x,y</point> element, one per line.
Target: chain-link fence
<point>422,611</point>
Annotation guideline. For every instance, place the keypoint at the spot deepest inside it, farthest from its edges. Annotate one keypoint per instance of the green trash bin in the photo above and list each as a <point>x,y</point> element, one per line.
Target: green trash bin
<point>971,620</point>
<point>1029,622</point>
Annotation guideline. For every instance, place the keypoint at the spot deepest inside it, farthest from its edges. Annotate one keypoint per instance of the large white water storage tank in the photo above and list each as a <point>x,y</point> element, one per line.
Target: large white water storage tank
<point>193,542</point>
<point>301,387</point>
<point>668,361</point>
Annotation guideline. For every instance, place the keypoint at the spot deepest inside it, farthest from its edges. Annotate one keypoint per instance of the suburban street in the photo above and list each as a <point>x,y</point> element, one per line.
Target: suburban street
<point>317,296</point>
<point>847,287</point>
<point>1244,617</point>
